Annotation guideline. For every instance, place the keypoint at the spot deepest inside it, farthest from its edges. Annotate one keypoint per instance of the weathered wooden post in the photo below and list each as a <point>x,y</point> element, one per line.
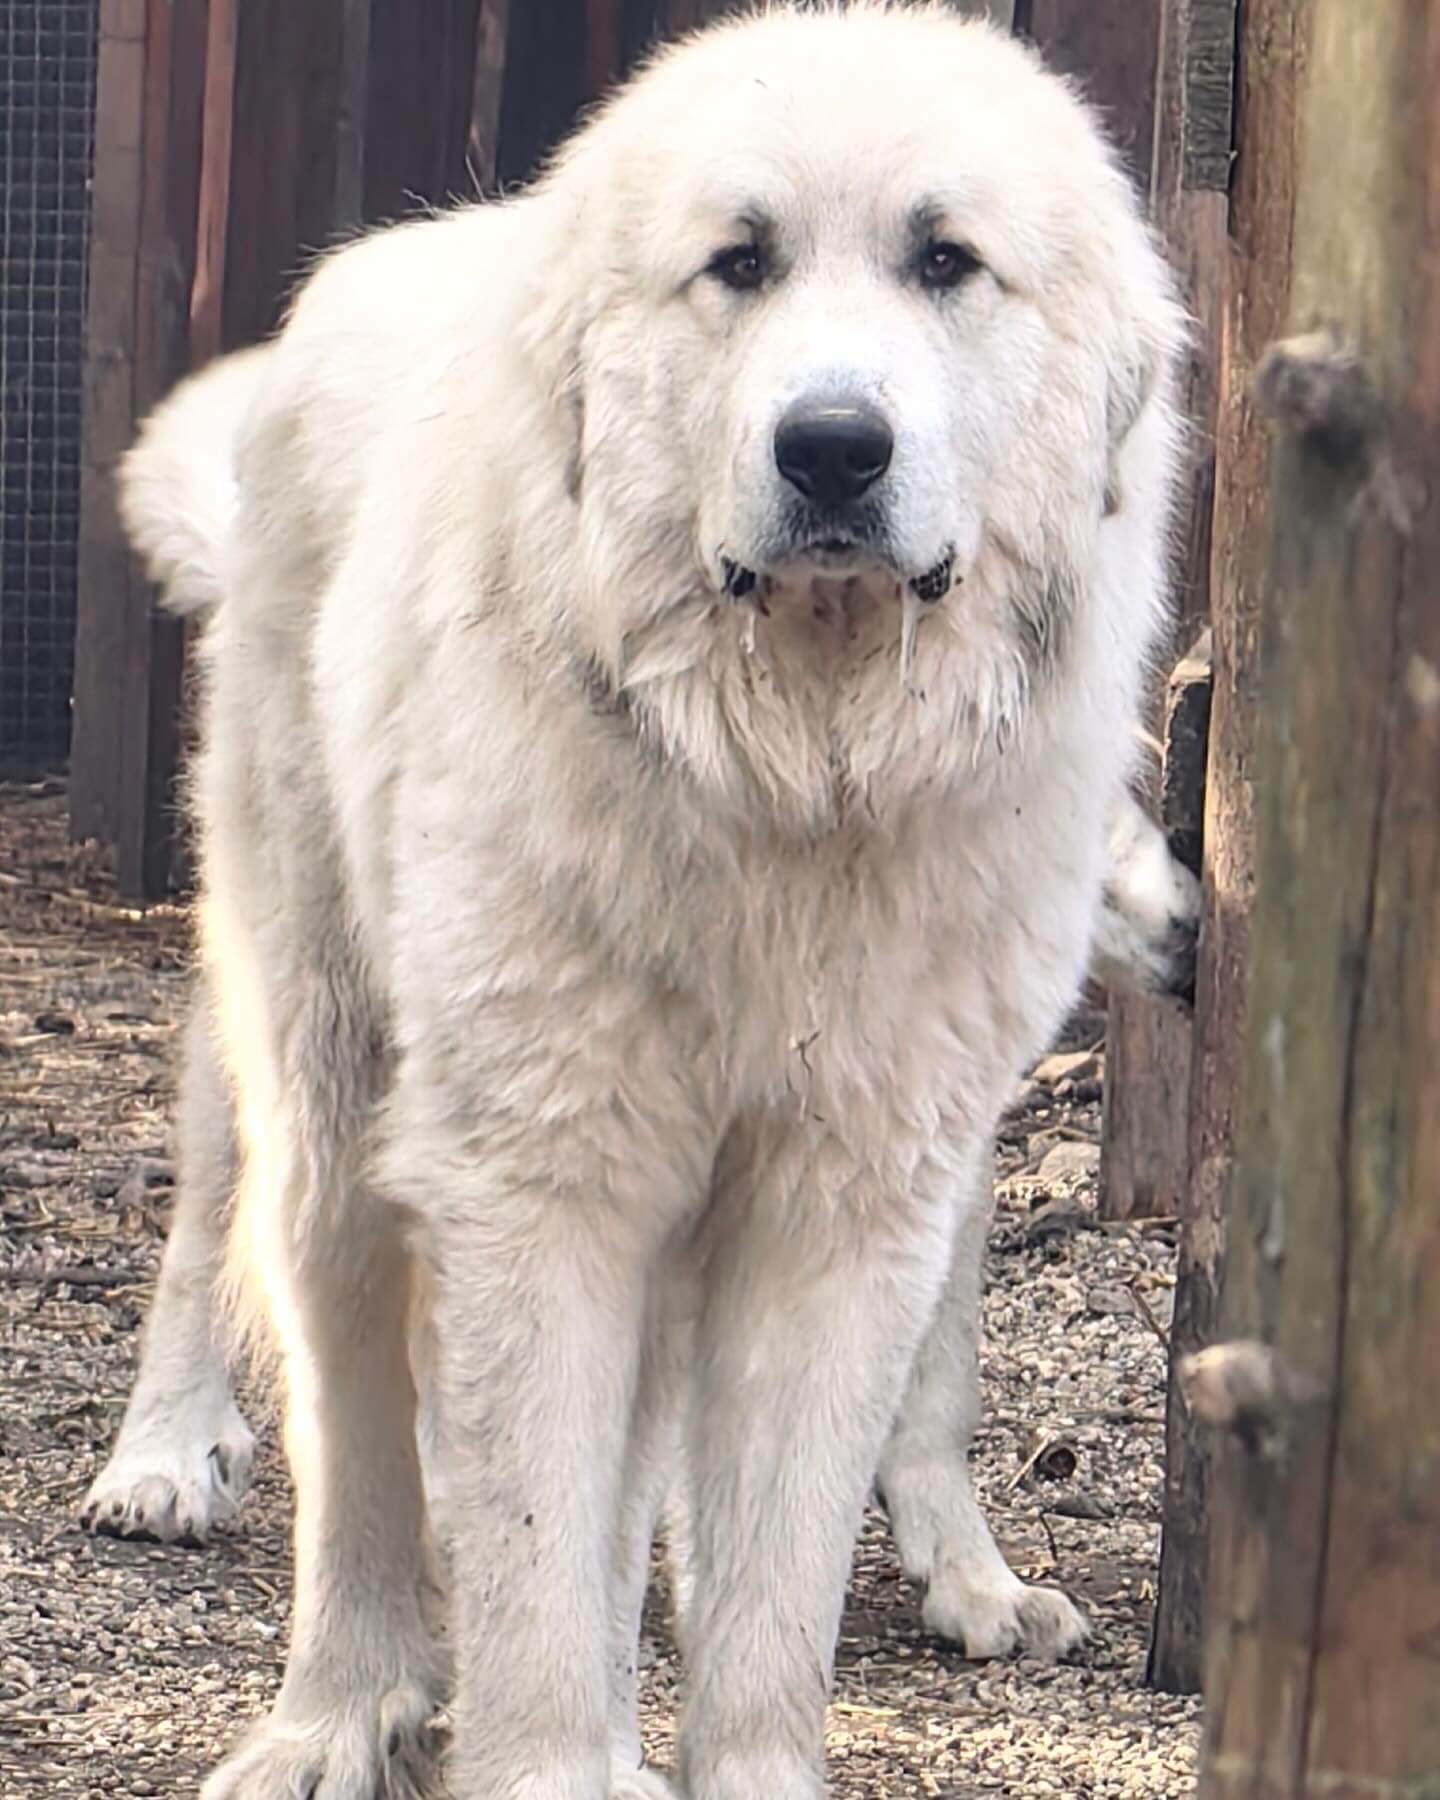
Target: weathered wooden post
<point>1145,1142</point>
<point>1323,1661</point>
<point>1271,46</point>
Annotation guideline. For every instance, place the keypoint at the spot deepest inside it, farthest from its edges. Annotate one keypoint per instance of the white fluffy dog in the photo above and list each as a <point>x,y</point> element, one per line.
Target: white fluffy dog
<point>681,639</point>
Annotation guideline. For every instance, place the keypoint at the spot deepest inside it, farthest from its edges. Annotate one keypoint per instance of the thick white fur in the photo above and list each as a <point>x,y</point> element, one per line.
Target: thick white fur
<point>178,498</point>
<point>654,993</point>
<point>1150,910</point>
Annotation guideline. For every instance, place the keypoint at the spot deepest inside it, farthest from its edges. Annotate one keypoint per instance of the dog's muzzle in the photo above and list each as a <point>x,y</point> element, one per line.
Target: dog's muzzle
<point>741,582</point>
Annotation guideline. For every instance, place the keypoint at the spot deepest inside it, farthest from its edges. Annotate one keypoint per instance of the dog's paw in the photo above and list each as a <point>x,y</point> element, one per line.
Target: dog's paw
<point>640,1784</point>
<point>997,1621</point>
<point>381,1748</point>
<point>172,1478</point>
<point>1147,933</point>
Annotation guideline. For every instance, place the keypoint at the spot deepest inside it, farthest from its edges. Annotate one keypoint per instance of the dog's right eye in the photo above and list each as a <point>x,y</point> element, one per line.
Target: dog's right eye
<point>944,266</point>
<point>740,267</point>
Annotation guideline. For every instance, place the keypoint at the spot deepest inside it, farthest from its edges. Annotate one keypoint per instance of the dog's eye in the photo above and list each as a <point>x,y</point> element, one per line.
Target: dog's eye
<point>944,266</point>
<point>741,267</point>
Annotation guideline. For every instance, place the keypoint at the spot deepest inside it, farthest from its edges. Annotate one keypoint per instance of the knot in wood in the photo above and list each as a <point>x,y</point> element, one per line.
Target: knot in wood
<point>1244,1388</point>
<point>1316,386</point>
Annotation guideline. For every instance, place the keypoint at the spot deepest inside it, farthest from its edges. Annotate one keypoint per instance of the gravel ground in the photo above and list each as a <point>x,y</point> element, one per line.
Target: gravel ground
<point>126,1668</point>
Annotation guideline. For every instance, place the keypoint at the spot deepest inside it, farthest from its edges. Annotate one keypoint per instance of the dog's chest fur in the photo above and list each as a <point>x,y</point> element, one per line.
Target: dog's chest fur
<point>804,710</point>
<point>825,863</point>
<point>844,885</point>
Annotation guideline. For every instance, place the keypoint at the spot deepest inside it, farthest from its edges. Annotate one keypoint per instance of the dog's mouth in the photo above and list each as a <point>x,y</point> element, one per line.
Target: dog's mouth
<point>838,556</point>
<point>835,554</point>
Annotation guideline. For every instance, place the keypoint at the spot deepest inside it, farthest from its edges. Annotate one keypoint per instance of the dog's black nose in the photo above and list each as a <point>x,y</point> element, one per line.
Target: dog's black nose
<point>832,454</point>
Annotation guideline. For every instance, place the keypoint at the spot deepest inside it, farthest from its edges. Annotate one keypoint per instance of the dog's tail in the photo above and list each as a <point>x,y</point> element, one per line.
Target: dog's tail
<point>176,485</point>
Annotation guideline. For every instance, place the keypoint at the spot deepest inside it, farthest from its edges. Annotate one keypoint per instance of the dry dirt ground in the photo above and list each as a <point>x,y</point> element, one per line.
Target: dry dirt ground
<point>126,1668</point>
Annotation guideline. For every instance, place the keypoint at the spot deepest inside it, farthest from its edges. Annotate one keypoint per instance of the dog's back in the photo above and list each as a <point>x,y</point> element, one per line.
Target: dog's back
<point>373,306</point>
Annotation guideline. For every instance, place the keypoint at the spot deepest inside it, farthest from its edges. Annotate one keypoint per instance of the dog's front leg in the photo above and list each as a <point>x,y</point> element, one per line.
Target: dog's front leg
<point>821,1273</point>
<point>547,1173</point>
<point>652,1466</point>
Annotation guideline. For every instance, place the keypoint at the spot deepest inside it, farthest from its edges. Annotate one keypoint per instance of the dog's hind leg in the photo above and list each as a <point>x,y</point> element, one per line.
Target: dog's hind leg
<point>972,1597</point>
<point>329,1258</point>
<point>182,1460</point>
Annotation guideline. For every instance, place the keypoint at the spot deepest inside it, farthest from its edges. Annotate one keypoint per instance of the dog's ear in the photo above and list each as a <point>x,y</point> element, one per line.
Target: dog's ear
<point>1132,383</point>
<point>1144,362</point>
<point>1130,387</point>
<point>557,305</point>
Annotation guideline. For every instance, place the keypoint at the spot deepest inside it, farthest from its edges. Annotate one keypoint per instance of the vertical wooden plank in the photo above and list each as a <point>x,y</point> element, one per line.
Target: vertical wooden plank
<point>1322,1667</point>
<point>1235,322</point>
<point>350,122</point>
<point>1189,183</point>
<point>491,36</point>
<point>1143,1155</point>
<point>421,63</point>
<point>998,12</point>
<point>1145,1138</point>
<point>682,15</point>
<point>543,85</point>
<point>148,816</point>
<point>294,171</point>
<point>109,414</point>
<point>213,207</point>
<point>1272,46</point>
<point>1114,50</point>
<point>128,660</point>
<point>1144,1135</point>
<point>602,46</point>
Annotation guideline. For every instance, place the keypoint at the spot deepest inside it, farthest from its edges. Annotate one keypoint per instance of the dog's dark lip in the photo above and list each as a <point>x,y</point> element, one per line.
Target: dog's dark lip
<point>738,580</point>
<point>936,582</point>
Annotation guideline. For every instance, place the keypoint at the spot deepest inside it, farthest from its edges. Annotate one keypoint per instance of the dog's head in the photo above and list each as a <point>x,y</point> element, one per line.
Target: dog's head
<point>849,314</point>
<point>822,284</point>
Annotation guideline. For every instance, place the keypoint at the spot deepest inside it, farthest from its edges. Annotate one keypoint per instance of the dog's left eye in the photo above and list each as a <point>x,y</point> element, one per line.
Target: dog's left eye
<point>944,266</point>
<point>741,267</point>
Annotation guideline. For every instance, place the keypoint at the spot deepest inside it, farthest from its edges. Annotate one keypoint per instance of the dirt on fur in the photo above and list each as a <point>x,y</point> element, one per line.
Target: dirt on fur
<point>126,1669</point>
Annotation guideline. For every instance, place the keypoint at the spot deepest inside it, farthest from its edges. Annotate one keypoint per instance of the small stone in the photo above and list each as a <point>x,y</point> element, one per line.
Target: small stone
<point>1070,1162</point>
<point>1067,1065</point>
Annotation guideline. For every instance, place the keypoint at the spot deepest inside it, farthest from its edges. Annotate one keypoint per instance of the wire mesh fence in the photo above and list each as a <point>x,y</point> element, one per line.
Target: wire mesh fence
<point>47,95</point>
